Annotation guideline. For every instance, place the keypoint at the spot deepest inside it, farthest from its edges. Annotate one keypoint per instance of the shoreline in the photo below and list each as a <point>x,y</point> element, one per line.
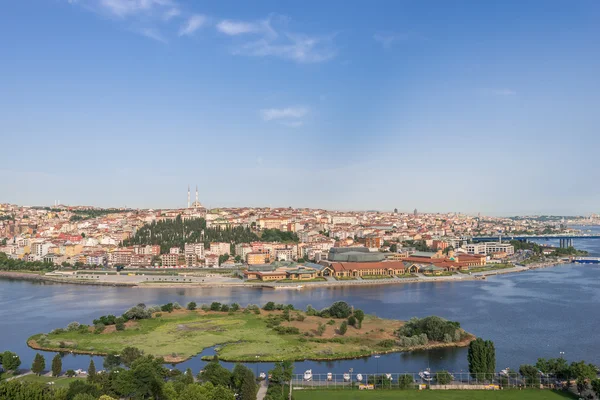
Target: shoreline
<point>13,275</point>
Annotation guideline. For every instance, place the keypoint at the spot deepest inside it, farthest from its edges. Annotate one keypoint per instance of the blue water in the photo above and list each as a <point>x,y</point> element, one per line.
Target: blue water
<point>528,315</point>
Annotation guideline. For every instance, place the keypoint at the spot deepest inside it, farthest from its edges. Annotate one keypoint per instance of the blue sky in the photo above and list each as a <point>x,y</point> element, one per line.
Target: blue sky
<point>470,106</point>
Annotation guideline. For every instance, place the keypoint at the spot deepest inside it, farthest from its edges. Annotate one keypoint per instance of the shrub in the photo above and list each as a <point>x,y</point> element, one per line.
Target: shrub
<point>99,328</point>
<point>73,326</point>
<point>270,306</point>
<point>352,320</point>
<point>434,327</point>
<point>405,381</point>
<point>340,309</point>
<point>158,315</point>
<point>167,307</point>
<point>310,311</point>
<point>57,331</point>
<point>321,329</point>
<point>137,312</point>
<point>177,306</point>
<point>215,306</point>
<point>70,373</point>
<point>205,307</point>
<point>224,307</point>
<point>235,307</point>
<point>343,328</point>
<point>120,326</point>
<point>443,377</point>
<point>287,330</point>
<point>331,322</point>
<point>387,343</point>
<point>300,317</point>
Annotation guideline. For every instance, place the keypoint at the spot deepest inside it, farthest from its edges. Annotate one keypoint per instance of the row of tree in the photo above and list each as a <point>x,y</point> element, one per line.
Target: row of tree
<point>144,378</point>
<point>177,232</point>
<point>9,264</point>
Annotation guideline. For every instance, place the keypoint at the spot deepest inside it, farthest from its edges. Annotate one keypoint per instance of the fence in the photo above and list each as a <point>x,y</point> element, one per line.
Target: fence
<point>411,380</point>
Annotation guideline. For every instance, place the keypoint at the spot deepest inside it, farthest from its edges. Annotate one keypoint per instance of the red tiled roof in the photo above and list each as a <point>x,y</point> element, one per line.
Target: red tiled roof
<point>349,266</point>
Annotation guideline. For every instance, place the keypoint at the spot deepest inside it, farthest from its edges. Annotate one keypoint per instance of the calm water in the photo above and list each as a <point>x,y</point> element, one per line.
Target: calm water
<point>527,315</point>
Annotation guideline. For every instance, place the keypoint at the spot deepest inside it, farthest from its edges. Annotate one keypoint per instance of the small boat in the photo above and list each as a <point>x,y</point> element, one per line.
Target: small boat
<point>389,377</point>
<point>425,375</point>
<point>505,372</point>
<point>346,377</point>
<point>329,376</point>
<point>308,375</point>
<point>262,375</point>
<point>359,377</point>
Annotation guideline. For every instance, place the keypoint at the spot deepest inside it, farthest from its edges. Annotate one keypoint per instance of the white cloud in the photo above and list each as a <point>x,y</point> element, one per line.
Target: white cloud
<point>296,47</point>
<point>274,42</point>
<point>194,23</point>
<point>503,92</point>
<point>271,114</point>
<point>233,28</point>
<point>152,34</point>
<point>293,124</point>
<point>171,13</point>
<point>388,39</point>
<point>125,8</point>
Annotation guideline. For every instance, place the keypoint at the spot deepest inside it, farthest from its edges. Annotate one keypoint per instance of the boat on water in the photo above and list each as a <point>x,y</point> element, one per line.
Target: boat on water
<point>359,377</point>
<point>389,377</point>
<point>297,287</point>
<point>308,375</point>
<point>425,375</point>
<point>505,372</point>
<point>262,375</point>
<point>329,376</point>
<point>346,377</point>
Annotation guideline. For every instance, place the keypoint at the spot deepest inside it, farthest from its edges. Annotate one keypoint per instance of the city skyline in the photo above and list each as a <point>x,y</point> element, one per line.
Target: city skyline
<point>466,107</point>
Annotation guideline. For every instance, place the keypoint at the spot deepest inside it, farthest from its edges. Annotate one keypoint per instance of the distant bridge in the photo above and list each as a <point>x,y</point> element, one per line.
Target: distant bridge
<point>564,240</point>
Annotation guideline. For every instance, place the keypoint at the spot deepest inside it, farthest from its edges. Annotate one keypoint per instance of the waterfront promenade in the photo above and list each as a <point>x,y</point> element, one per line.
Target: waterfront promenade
<point>218,280</point>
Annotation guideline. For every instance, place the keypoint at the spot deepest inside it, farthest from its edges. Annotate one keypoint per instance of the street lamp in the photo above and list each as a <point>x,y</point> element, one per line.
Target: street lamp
<point>256,357</point>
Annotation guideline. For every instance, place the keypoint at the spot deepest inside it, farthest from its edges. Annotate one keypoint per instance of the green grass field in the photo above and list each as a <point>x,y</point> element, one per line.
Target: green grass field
<point>430,394</point>
<point>240,336</point>
<point>62,381</point>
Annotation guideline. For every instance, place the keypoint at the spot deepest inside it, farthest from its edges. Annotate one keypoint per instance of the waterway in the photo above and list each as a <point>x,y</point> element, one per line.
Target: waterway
<point>528,315</point>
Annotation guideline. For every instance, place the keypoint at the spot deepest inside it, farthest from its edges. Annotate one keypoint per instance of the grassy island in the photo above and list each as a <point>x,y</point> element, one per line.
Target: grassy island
<point>274,332</point>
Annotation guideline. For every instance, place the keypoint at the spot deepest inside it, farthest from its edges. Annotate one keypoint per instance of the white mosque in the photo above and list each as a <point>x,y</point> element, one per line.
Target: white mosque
<point>196,204</point>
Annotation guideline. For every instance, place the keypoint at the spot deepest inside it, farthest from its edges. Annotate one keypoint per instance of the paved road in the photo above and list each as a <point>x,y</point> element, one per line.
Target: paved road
<point>262,390</point>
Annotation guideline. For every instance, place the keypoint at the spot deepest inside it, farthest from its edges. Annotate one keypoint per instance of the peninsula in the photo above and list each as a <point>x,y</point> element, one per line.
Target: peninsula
<point>272,333</point>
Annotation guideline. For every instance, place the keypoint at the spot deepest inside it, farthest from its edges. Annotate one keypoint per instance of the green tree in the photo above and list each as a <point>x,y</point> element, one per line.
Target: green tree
<point>10,361</point>
<point>321,329</point>
<point>216,374</point>
<point>343,328</point>
<point>91,375</point>
<point>192,305</point>
<point>443,377</point>
<point>595,383</point>
<point>80,386</point>
<point>129,355</point>
<point>482,358</point>
<point>167,307</point>
<point>111,361</point>
<point>84,396</point>
<point>360,316</point>
<point>56,365</point>
<point>39,364</point>
<point>215,306</point>
<point>248,387</point>
<point>340,309</point>
<point>530,373</point>
<point>405,381</point>
<point>270,306</point>
<point>394,248</point>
